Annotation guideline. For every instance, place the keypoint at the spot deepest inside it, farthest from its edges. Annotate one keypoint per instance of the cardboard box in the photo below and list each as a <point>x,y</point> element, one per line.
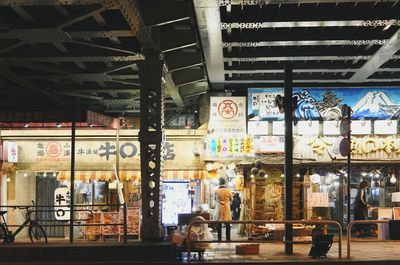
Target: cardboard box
<point>247,249</point>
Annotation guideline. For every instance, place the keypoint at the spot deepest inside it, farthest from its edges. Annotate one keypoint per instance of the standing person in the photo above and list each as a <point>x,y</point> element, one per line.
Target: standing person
<point>361,208</point>
<point>235,206</point>
<point>223,199</point>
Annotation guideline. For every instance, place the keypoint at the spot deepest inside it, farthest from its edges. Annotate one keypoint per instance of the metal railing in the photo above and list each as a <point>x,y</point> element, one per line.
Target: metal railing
<point>355,222</point>
<point>263,222</point>
<point>33,210</point>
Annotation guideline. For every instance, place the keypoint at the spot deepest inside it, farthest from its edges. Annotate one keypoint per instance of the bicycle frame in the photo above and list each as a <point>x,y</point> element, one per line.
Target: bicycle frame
<point>22,226</point>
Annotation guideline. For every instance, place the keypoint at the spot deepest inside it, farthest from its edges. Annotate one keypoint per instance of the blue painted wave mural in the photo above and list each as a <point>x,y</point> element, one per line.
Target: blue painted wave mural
<point>321,103</point>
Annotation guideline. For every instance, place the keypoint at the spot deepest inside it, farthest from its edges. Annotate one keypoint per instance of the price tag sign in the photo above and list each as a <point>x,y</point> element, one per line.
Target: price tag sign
<point>62,201</point>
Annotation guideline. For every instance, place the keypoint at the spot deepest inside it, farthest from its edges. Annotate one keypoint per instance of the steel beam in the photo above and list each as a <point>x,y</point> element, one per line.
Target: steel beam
<point>60,59</point>
<point>298,58</point>
<point>337,70</point>
<point>266,2</point>
<point>89,12</point>
<point>308,24</point>
<point>171,89</point>
<point>54,34</point>
<point>24,14</point>
<point>44,94</point>
<point>118,102</point>
<point>209,24</point>
<point>79,95</point>
<point>384,54</point>
<point>84,77</point>
<point>49,2</point>
<point>132,16</point>
<point>302,43</point>
<point>279,81</point>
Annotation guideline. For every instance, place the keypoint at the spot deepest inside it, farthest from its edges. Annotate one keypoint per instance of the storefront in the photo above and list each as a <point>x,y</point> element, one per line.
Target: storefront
<point>44,165</point>
<point>319,165</point>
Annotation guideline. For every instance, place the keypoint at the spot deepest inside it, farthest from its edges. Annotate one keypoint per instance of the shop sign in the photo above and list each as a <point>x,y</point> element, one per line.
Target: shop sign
<point>10,152</point>
<point>261,103</point>
<point>228,115</point>
<point>360,147</point>
<point>228,146</point>
<point>43,116</point>
<point>61,151</point>
<point>369,103</point>
<point>62,202</point>
<point>269,144</point>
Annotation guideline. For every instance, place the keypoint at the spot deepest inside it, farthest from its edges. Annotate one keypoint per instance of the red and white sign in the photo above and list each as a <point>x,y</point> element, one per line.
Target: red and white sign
<point>269,144</point>
<point>228,115</point>
<point>10,152</point>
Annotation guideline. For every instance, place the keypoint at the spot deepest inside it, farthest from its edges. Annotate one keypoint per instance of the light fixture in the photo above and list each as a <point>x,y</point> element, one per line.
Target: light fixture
<point>91,125</point>
<point>232,166</point>
<point>298,175</point>
<point>315,178</point>
<point>25,175</point>
<point>44,174</point>
<point>266,176</point>
<point>59,125</point>
<point>26,125</point>
<point>209,166</point>
<point>54,174</point>
<point>393,179</point>
<point>363,174</point>
<point>8,179</point>
<point>282,175</point>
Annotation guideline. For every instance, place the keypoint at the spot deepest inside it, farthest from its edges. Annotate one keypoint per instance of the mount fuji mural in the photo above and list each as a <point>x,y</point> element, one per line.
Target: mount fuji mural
<point>372,105</point>
<point>375,103</point>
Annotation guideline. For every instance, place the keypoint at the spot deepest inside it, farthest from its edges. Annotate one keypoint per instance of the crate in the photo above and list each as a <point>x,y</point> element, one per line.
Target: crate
<point>247,249</point>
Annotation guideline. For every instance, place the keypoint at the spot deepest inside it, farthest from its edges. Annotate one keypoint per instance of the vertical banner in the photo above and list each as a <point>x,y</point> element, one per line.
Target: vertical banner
<point>10,152</point>
<point>62,202</point>
<point>228,115</point>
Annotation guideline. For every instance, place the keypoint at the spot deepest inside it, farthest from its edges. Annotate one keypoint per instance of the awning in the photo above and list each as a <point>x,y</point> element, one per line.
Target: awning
<point>184,174</point>
<point>131,175</point>
<point>87,175</point>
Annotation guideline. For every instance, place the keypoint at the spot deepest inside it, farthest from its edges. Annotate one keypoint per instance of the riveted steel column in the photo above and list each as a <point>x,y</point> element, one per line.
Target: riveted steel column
<point>151,137</point>
<point>288,107</point>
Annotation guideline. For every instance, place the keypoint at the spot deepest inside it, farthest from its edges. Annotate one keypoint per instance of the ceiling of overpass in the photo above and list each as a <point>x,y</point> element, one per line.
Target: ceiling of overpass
<point>328,43</point>
<point>84,53</point>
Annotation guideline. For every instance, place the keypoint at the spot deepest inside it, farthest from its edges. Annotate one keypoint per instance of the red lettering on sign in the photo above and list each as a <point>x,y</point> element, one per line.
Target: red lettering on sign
<point>53,149</point>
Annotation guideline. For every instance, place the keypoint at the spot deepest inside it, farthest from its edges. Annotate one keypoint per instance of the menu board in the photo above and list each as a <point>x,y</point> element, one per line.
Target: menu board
<point>317,199</point>
<point>110,218</point>
<point>92,229</point>
<point>133,221</point>
<point>176,200</point>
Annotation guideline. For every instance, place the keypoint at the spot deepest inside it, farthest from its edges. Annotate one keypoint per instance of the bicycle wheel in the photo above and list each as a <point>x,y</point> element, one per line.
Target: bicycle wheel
<point>37,234</point>
<point>3,234</point>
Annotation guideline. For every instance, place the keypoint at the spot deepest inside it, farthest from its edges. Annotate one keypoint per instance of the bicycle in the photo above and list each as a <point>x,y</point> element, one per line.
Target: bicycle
<point>35,230</point>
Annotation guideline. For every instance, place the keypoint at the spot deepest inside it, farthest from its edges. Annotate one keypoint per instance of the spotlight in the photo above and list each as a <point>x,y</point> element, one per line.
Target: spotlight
<point>26,125</point>
<point>59,125</point>
<point>44,174</point>
<point>25,175</point>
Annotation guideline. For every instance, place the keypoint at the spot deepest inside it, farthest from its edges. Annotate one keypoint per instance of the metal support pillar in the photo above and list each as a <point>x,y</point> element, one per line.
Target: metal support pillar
<point>288,107</point>
<point>349,167</point>
<point>71,218</point>
<point>151,138</point>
